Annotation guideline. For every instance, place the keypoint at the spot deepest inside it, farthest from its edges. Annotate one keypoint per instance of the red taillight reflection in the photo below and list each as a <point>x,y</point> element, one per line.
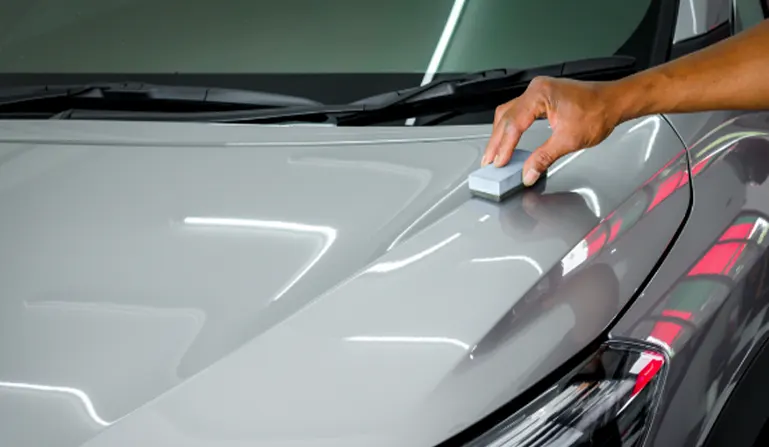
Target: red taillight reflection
<point>595,240</point>
<point>667,165</point>
<point>667,331</point>
<point>615,227</point>
<point>719,259</point>
<point>653,365</point>
<point>696,169</point>
<point>677,314</point>
<point>668,187</point>
<point>738,231</point>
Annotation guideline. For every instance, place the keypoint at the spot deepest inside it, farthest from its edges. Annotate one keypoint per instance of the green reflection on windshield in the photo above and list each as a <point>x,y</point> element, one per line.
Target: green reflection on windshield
<point>306,36</point>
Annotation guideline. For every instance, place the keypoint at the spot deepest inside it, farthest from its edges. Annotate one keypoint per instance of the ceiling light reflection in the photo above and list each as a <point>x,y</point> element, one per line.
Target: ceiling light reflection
<point>329,235</point>
<point>738,136</point>
<point>443,43</point>
<point>760,227</point>
<point>429,210</point>
<point>525,259</point>
<point>591,198</point>
<point>89,408</point>
<point>693,8</point>
<point>666,347</point>
<point>389,266</point>
<point>575,257</point>
<point>401,339</point>
<point>565,162</point>
<point>656,122</point>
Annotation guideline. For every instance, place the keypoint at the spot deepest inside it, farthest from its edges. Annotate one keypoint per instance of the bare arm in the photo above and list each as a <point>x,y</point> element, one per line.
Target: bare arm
<point>730,75</point>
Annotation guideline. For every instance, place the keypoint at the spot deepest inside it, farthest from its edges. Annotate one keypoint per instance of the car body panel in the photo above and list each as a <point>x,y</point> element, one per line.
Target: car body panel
<point>708,303</point>
<point>697,17</point>
<point>201,284</point>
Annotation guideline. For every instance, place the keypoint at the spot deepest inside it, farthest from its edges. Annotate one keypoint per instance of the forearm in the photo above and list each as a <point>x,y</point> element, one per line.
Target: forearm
<point>730,75</point>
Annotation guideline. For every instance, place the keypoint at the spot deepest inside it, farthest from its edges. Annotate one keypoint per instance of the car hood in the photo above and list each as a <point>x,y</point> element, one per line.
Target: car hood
<point>210,285</point>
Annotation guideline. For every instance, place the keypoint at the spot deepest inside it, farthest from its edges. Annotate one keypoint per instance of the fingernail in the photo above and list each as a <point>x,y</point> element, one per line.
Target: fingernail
<point>485,160</point>
<point>531,177</point>
<point>496,161</point>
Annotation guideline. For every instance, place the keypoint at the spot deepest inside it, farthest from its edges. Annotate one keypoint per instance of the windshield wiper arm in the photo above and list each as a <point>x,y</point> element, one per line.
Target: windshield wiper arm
<point>140,92</point>
<point>319,114</point>
<point>490,81</point>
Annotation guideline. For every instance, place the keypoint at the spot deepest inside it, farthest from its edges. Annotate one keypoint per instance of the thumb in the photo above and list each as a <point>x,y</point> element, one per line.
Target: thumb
<point>540,160</point>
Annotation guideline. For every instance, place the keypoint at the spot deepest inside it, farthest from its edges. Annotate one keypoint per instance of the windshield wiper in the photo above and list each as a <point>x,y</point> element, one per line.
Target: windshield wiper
<point>495,80</point>
<point>444,94</point>
<point>139,97</point>
<point>482,89</point>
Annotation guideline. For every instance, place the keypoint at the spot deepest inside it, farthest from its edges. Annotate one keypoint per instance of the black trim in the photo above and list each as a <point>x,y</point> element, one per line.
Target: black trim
<point>743,417</point>
<point>765,8</point>
<point>734,21</point>
<point>663,41</point>
<point>650,51</point>
<point>328,88</point>
<point>692,44</point>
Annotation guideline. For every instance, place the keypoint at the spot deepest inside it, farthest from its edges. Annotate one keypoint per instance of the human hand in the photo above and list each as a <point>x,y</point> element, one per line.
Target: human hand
<point>581,115</point>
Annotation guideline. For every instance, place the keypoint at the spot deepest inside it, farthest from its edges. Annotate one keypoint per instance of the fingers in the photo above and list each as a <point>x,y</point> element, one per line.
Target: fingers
<point>578,114</point>
<point>541,159</point>
<point>508,128</point>
<point>512,119</point>
<point>510,138</point>
<point>497,133</point>
<point>491,148</point>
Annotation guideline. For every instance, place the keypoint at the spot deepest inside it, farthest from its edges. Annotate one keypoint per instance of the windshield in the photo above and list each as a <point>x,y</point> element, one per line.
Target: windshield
<point>333,51</point>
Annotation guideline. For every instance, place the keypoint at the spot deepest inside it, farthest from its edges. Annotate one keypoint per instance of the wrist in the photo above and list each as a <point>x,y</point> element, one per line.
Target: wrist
<point>631,97</point>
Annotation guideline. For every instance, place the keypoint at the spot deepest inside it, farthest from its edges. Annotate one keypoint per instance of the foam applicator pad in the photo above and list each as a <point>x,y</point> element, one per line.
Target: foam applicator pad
<point>497,184</point>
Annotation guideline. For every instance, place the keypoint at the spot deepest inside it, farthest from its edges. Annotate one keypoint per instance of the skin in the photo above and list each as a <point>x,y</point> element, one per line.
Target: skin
<point>730,75</point>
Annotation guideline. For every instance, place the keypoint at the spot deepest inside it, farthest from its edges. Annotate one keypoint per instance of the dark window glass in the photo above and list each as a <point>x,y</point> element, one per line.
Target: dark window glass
<point>750,12</point>
<point>334,51</point>
<point>307,36</point>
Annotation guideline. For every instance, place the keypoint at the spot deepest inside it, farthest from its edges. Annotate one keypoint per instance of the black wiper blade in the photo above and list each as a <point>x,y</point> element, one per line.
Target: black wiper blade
<point>314,114</point>
<point>129,91</point>
<point>490,81</point>
<point>437,89</point>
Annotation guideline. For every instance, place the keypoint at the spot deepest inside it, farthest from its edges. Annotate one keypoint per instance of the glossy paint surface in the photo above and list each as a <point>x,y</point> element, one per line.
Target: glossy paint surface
<point>209,285</point>
<point>708,302</point>
<point>696,17</point>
